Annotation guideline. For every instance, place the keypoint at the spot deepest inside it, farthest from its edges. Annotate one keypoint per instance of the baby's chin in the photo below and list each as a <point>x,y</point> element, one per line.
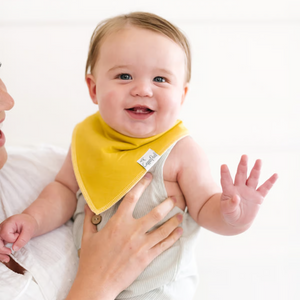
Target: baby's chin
<point>140,131</point>
<point>3,156</point>
<point>138,135</point>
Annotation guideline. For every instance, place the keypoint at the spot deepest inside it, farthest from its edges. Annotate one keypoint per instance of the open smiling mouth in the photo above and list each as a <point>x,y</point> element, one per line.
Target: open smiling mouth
<point>140,110</point>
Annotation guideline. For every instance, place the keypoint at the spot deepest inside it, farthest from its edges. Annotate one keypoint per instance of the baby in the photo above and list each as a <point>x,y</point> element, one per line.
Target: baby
<point>138,72</point>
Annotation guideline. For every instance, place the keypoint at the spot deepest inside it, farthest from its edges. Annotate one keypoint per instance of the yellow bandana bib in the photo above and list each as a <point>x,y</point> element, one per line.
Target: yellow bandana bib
<point>107,164</point>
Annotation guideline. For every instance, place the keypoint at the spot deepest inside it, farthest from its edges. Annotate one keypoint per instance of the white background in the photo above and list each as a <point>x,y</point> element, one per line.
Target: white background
<point>244,98</point>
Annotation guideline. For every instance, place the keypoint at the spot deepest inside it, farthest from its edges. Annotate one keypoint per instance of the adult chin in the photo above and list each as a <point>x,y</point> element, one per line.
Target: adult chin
<point>3,156</point>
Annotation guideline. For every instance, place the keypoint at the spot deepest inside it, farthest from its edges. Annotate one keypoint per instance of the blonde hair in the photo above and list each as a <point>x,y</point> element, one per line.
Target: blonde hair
<point>142,20</point>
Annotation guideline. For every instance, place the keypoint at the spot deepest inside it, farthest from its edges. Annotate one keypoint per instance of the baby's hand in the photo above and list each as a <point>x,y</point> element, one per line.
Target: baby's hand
<point>241,200</point>
<point>17,229</point>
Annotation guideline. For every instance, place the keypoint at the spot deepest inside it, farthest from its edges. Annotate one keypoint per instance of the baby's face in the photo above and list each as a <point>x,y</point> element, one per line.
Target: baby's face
<point>139,82</point>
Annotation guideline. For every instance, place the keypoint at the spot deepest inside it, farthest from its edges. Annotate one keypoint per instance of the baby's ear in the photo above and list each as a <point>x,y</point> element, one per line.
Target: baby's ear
<point>91,83</point>
<point>184,92</point>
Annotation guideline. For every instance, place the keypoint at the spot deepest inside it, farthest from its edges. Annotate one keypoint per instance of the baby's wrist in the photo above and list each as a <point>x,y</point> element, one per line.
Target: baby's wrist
<point>34,223</point>
<point>234,229</point>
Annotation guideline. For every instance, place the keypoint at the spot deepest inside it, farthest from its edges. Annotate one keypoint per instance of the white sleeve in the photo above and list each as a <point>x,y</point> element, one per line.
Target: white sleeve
<point>51,259</point>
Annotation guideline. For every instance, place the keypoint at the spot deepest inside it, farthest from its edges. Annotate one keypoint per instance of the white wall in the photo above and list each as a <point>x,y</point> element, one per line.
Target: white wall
<point>244,98</point>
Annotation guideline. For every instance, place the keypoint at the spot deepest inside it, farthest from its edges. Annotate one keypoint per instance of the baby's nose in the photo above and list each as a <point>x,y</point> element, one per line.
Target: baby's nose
<point>142,89</point>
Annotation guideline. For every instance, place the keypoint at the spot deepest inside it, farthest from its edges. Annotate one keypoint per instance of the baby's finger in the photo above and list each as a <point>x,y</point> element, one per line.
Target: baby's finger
<point>252,181</point>
<point>226,179</point>
<point>22,239</point>
<point>230,207</point>
<point>4,258</point>
<point>161,233</point>
<point>241,174</point>
<point>128,204</point>
<point>266,186</point>
<point>88,227</point>
<point>3,249</point>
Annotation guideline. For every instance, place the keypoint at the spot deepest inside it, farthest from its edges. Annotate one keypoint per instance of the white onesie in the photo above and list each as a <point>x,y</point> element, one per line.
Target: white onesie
<point>173,274</point>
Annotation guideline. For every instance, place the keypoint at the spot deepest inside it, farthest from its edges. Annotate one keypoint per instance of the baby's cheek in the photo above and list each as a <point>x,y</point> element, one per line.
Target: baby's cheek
<point>108,100</point>
<point>111,94</point>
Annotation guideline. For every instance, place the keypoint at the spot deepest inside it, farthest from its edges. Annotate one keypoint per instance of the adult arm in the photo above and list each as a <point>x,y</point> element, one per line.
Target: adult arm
<point>111,259</point>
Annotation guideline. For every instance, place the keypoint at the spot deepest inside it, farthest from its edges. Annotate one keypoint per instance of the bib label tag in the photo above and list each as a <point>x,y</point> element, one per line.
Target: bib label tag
<point>149,159</point>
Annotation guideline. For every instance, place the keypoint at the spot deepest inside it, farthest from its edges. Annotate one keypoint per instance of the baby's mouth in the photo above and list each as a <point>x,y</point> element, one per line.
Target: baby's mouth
<point>140,110</point>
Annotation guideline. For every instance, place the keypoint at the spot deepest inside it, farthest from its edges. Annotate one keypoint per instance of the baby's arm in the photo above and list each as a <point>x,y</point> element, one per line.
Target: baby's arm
<point>53,207</point>
<point>231,211</point>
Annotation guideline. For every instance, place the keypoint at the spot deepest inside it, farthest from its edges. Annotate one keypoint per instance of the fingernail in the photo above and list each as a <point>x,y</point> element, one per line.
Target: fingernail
<point>179,231</point>
<point>179,217</point>
<point>148,175</point>
<point>173,198</point>
<point>15,248</point>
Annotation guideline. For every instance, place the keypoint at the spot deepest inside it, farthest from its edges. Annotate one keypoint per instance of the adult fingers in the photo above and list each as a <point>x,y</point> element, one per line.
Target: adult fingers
<point>128,204</point>
<point>164,231</point>
<point>156,214</point>
<point>88,227</point>
<point>166,243</point>
<point>241,174</point>
<point>266,186</point>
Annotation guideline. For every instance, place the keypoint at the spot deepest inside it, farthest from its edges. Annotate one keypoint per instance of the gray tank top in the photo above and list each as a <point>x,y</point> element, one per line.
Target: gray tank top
<point>173,274</point>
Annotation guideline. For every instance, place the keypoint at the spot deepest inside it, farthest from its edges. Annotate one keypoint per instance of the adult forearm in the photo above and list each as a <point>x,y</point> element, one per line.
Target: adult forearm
<point>211,218</point>
<point>54,206</point>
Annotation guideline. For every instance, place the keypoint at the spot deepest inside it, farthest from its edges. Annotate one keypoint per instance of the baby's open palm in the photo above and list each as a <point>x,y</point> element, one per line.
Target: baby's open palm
<point>241,199</point>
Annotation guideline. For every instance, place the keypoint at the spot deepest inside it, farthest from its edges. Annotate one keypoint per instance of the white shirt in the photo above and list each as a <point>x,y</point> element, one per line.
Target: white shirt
<point>51,259</point>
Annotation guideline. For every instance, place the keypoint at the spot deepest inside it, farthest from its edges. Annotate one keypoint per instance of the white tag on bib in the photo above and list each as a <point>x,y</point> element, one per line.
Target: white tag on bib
<point>149,159</point>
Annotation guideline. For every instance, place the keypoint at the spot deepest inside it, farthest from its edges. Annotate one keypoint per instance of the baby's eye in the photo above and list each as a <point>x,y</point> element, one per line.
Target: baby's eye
<point>125,76</point>
<point>159,79</point>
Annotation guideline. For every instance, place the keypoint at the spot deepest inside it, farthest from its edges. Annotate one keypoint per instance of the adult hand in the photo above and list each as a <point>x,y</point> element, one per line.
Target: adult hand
<point>111,259</point>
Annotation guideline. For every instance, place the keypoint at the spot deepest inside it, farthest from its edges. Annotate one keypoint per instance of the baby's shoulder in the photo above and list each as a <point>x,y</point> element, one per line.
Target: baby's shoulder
<point>185,153</point>
<point>186,148</point>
